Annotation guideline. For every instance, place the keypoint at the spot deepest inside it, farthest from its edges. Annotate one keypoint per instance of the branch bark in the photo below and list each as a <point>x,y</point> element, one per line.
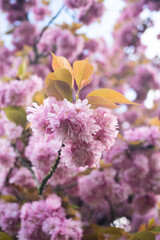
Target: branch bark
<point>50,173</point>
<point>37,55</point>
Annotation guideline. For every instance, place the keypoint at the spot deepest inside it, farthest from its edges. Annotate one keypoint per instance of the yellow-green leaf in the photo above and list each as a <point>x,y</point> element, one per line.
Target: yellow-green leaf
<point>97,101</point>
<point>82,72</point>
<point>59,90</point>
<point>61,74</point>
<point>111,95</point>
<point>22,68</point>
<point>16,114</point>
<point>62,62</point>
<point>5,236</point>
<point>155,230</point>
<point>151,223</point>
<point>144,235</point>
<point>39,97</point>
<point>8,198</point>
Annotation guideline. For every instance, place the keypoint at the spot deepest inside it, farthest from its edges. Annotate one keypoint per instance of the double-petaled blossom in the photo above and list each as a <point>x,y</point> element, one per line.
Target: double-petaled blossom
<point>46,219</point>
<point>84,132</point>
<point>9,217</point>
<point>7,154</point>
<point>8,128</point>
<point>19,93</point>
<point>42,154</point>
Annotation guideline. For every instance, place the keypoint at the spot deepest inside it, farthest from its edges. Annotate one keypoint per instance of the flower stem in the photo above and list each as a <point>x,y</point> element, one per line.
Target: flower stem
<point>50,173</point>
<point>77,95</point>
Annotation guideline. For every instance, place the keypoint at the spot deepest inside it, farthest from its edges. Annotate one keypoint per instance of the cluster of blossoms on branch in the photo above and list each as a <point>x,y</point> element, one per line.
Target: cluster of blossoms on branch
<point>19,93</point>
<point>98,173</point>
<point>82,130</point>
<point>40,220</point>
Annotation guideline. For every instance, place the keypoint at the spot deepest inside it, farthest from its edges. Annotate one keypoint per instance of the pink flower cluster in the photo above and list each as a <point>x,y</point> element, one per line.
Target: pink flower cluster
<point>126,35</point>
<point>16,10</point>
<point>22,177</point>
<point>78,4</point>
<point>153,5</point>
<point>148,135</point>
<point>6,60</point>
<point>42,154</point>
<point>140,172</point>
<point>7,154</point>
<point>46,219</point>
<point>146,77</point>
<point>99,187</point>
<point>95,11</point>
<point>40,12</point>
<point>138,167</point>
<point>9,129</point>
<point>89,10</point>
<point>25,33</point>
<point>39,220</point>
<point>62,43</point>
<point>84,132</point>
<point>19,93</point>
<point>9,217</point>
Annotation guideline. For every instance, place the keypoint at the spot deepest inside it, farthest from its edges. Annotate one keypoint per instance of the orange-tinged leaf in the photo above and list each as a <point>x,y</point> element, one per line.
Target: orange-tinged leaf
<point>62,62</point>
<point>59,90</point>
<point>82,72</point>
<point>111,95</point>
<point>155,122</point>
<point>142,227</point>
<point>105,165</point>
<point>45,2</point>
<point>28,126</point>
<point>121,137</point>
<point>61,74</point>
<point>138,142</point>
<point>39,97</point>
<point>97,101</point>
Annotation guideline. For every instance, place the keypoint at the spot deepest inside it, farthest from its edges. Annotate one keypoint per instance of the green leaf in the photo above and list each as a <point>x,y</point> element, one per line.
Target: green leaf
<point>151,223</point>
<point>155,230</point>
<point>16,115</point>
<point>8,198</point>
<point>59,90</point>
<point>99,232</point>
<point>5,236</point>
<point>144,235</point>
<point>22,68</point>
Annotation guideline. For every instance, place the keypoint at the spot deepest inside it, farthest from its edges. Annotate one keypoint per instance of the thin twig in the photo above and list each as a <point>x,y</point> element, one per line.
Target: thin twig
<point>111,209</point>
<point>49,23</point>
<point>8,176</point>
<point>26,165</point>
<point>50,173</point>
<point>37,55</point>
<point>31,171</point>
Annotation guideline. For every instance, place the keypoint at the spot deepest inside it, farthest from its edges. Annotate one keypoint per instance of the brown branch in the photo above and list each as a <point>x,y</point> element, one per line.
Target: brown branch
<point>37,55</point>
<point>50,173</point>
